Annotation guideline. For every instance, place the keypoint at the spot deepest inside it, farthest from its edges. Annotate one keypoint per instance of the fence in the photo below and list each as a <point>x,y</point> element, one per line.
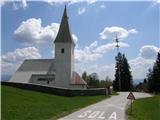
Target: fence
<point>57,90</point>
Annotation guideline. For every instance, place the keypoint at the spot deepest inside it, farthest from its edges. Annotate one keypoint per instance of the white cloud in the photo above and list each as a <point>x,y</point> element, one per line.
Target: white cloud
<point>81,10</point>
<point>144,61</point>
<point>12,60</point>
<point>102,6</point>
<point>102,71</point>
<point>149,51</point>
<point>17,4</point>
<point>5,65</point>
<point>8,68</point>
<point>31,32</point>
<point>69,1</point>
<point>140,66</point>
<point>75,38</point>
<point>132,31</point>
<point>111,32</point>
<point>109,46</point>
<point>24,3</point>
<point>155,2</point>
<point>21,54</point>
<point>93,51</point>
<point>94,44</point>
<point>2,2</point>
<point>86,53</point>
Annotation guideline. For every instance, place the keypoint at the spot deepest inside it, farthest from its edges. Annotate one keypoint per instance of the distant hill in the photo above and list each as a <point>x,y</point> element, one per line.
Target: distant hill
<point>136,81</point>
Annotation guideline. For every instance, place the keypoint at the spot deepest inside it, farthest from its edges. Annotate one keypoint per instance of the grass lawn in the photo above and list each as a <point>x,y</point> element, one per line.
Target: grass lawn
<point>145,109</point>
<point>18,104</point>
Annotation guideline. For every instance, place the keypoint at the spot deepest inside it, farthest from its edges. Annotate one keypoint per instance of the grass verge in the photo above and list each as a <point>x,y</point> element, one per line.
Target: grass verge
<point>18,104</point>
<point>115,93</point>
<point>145,109</point>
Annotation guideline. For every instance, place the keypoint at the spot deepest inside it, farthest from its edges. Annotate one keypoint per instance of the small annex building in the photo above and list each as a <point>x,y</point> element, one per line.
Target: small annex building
<point>58,72</point>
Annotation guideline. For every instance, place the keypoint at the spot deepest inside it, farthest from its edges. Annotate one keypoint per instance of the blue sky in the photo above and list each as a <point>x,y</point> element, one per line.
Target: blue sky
<point>94,24</point>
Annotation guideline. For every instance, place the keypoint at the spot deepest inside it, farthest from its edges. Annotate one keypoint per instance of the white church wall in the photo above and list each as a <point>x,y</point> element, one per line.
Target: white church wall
<point>63,64</point>
<point>48,80</point>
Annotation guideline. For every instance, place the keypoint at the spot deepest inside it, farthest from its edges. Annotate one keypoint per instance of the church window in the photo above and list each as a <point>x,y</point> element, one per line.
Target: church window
<point>62,50</point>
<point>41,79</point>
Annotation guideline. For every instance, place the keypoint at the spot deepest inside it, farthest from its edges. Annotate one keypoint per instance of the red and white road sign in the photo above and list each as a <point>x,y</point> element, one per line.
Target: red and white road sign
<point>131,96</point>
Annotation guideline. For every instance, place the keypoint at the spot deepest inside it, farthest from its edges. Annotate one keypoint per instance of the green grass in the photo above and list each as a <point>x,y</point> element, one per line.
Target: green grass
<point>18,104</point>
<point>114,93</point>
<point>145,109</point>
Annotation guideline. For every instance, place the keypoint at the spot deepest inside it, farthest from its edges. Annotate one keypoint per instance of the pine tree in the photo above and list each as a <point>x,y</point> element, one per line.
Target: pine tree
<point>153,76</point>
<point>156,74</point>
<point>150,81</point>
<point>126,81</point>
<point>118,76</point>
<point>122,74</point>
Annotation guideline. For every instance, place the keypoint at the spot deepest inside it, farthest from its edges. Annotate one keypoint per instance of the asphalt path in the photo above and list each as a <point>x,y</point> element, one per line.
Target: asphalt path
<point>109,109</point>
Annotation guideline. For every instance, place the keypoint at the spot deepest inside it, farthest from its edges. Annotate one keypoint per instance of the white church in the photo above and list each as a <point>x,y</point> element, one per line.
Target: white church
<point>58,72</point>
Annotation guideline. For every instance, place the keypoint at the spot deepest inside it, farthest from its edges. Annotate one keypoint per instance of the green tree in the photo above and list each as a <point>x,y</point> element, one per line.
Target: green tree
<point>153,76</point>
<point>117,75</point>
<point>93,80</point>
<point>126,81</point>
<point>108,81</point>
<point>122,74</point>
<point>150,81</point>
<point>156,74</point>
<point>102,84</point>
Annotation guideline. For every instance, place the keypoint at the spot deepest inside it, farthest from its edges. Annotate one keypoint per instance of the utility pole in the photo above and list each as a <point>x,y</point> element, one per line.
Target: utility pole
<point>119,72</point>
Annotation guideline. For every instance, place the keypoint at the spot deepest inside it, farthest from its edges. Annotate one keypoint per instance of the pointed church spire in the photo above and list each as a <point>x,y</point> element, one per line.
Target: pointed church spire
<point>64,35</point>
<point>65,13</point>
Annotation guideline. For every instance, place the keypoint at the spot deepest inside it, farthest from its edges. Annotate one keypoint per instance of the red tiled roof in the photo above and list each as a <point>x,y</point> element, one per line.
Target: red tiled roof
<point>77,80</point>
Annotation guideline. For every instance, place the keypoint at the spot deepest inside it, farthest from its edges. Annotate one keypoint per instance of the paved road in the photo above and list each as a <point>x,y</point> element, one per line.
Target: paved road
<point>109,109</point>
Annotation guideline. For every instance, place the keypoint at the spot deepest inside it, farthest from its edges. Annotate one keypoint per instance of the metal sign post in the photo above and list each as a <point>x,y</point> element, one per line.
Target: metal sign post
<point>131,97</point>
<point>131,106</point>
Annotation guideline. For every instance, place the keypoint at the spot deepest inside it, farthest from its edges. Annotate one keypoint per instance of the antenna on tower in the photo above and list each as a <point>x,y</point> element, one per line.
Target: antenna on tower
<point>117,41</point>
<point>119,72</point>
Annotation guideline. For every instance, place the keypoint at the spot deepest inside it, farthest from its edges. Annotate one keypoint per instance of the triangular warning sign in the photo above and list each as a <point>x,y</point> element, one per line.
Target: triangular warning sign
<point>131,96</point>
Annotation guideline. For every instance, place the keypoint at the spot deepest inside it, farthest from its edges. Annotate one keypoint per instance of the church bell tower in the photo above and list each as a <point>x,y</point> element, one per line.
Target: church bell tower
<point>64,54</point>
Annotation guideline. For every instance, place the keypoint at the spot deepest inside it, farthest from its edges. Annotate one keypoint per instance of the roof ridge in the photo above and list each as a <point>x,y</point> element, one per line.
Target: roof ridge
<point>40,59</point>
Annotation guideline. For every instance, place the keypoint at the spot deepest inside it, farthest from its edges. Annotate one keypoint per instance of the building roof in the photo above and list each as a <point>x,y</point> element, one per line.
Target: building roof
<point>33,66</point>
<point>77,80</point>
<point>37,65</point>
<point>64,35</point>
